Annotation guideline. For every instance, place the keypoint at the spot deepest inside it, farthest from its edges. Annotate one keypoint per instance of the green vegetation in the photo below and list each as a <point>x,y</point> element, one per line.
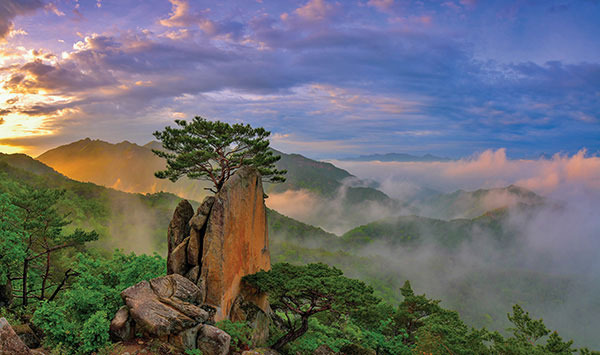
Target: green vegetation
<point>304,291</point>
<point>284,228</point>
<point>471,204</point>
<point>322,179</point>
<point>214,151</point>
<point>36,239</point>
<point>240,332</point>
<point>316,306</point>
<point>72,291</point>
<point>134,222</point>
<point>414,231</point>
<point>78,320</point>
<point>97,276</point>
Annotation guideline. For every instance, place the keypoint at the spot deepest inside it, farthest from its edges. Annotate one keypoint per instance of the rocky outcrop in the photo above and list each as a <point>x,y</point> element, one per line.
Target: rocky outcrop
<point>227,240</point>
<point>162,307</point>
<point>246,311</point>
<point>236,242</point>
<point>122,326</point>
<point>208,254</point>
<point>214,341</point>
<point>10,343</point>
<point>178,230</point>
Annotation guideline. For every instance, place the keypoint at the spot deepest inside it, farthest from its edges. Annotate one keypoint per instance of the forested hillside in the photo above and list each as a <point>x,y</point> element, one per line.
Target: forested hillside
<point>460,261</point>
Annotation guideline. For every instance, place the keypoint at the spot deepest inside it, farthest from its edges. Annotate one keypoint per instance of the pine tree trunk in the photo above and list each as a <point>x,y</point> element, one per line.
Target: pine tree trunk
<point>292,335</point>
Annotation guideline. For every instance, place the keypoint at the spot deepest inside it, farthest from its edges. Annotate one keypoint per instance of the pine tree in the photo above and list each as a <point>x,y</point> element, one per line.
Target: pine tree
<point>214,150</point>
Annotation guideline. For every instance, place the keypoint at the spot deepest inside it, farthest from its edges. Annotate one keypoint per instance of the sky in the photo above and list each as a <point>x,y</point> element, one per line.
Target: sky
<point>329,79</point>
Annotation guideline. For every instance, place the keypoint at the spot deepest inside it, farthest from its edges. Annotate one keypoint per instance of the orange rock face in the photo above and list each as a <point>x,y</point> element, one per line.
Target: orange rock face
<point>236,242</point>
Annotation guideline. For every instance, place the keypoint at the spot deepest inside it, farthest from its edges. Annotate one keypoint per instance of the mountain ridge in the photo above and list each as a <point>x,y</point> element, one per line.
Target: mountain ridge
<point>398,157</point>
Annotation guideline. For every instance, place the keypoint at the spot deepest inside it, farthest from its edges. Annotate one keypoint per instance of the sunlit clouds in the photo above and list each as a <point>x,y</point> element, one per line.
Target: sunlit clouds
<point>562,173</point>
<point>336,78</point>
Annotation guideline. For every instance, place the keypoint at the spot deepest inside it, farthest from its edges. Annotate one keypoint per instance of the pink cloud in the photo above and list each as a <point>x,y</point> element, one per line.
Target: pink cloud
<point>180,15</point>
<point>489,169</point>
<point>315,10</point>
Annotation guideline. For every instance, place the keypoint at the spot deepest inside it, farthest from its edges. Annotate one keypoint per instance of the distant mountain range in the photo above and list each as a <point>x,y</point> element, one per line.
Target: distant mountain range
<point>124,166</point>
<point>130,167</point>
<point>317,193</point>
<point>471,204</point>
<point>399,157</point>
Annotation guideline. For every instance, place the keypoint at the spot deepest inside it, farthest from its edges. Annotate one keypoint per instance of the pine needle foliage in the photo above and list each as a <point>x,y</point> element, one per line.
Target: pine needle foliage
<point>214,151</point>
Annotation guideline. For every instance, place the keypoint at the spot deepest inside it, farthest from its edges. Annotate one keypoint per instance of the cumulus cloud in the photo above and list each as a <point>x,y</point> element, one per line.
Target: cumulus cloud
<point>180,15</point>
<point>9,9</point>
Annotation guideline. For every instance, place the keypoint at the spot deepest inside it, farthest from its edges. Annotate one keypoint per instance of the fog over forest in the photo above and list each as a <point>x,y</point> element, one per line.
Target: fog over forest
<point>556,245</point>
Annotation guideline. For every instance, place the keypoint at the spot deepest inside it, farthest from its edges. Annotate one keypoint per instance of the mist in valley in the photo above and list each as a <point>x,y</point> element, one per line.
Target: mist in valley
<point>543,254</point>
<point>547,260</point>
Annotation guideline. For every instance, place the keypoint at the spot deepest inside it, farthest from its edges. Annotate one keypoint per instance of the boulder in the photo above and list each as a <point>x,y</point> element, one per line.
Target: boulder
<point>10,343</point>
<point>164,306</point>
<point>179,229</point>
<point>236,241</point>
<point>185,239</point>
<point>187,339</point>
<point>176,286</point>
<point>194,275</point>
<point>213,341</point>
<point>122,327</point>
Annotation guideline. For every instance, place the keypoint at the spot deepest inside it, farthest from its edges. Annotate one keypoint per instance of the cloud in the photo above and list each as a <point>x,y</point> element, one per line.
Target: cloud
<point>180,15</point>
<point>302,207</point>
<point>9,9</point>
<point>51,7</point>
<point>34,76</point>
<point>578,172</point>
<point>315,10</point>
<point>377,86</point>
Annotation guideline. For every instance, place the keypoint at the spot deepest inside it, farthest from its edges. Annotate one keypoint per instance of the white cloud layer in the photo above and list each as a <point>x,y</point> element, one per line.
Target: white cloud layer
<point>558,175</point>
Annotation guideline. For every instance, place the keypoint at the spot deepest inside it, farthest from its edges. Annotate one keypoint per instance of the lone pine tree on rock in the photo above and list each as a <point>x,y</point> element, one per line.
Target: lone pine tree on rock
<point>214,151</point>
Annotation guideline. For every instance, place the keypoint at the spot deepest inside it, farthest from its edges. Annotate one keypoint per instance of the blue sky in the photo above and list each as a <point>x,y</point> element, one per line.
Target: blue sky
<point>330,79</point>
